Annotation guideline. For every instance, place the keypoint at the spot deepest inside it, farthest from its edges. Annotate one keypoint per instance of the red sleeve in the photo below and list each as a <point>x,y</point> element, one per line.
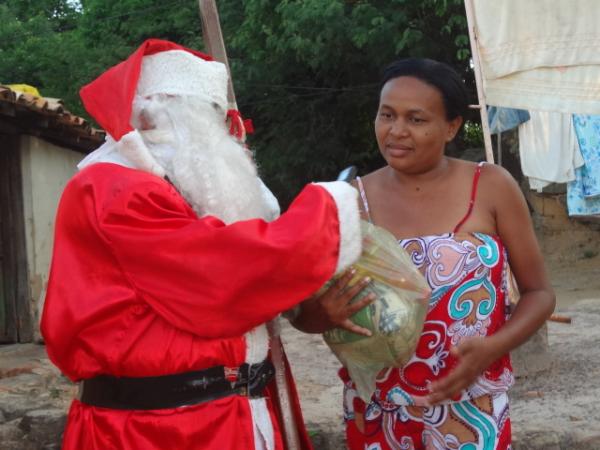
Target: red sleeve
<point>211,279</point>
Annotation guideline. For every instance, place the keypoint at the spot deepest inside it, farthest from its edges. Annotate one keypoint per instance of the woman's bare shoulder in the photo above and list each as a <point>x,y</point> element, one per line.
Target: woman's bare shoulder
<point>500,189</point>
<point>497,177</point>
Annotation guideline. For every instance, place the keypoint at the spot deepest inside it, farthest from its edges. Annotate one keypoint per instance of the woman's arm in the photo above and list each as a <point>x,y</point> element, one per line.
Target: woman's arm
<point>515,228</point>
<point>332,307</point>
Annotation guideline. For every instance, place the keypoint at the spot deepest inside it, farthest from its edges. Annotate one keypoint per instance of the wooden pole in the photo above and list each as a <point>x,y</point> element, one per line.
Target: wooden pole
<point>499,148</point>
<point>289,429</point>
<point>215,46</point>
<point>487,139</point>
<point>213,40</point>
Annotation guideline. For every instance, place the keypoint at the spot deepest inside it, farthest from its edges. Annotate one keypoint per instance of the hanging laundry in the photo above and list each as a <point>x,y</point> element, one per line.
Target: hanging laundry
<point>504,119</point>
<point>540,54</point>
<point>548,149</point>
<point>577,203</point>
<point>587,129</point>
<point>583,194</point>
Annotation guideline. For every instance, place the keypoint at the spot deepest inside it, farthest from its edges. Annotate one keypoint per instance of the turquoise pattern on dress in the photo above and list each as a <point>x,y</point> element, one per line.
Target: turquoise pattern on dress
<point>459,311</point>
<point>488,253</point>
<point>402,393</point>
<point>487,430</point>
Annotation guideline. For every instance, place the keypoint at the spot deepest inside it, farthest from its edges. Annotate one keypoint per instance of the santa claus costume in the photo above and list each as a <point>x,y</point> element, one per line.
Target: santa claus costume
<point>169,259</point>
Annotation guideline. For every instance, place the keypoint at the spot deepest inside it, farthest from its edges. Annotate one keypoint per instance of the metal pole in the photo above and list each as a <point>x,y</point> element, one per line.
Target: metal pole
<point>487,139</point>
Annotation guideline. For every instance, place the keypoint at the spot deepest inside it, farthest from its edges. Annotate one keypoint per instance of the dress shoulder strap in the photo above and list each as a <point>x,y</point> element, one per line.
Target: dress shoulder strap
<point>473,196</point>
<point>363,196</point>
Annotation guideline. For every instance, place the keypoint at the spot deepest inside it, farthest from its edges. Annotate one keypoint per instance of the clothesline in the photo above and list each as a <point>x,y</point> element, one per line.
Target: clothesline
<point>557,148</point>
<point>548,67</point>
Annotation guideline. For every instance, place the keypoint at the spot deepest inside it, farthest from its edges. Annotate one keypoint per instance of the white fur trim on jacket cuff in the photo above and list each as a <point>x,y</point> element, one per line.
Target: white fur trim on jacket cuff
<point>346,200</point>
<point>271,201</point>
<point>133,148</point>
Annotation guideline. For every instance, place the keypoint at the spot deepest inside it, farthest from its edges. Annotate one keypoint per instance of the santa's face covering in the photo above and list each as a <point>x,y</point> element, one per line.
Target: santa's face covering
<point>189,138</point>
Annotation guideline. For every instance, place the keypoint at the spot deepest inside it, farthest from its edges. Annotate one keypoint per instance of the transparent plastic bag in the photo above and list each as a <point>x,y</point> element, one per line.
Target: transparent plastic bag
<point>395,318</point>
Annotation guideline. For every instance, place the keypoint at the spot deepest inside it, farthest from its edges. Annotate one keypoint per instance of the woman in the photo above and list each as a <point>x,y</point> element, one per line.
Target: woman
<point>463,224</point>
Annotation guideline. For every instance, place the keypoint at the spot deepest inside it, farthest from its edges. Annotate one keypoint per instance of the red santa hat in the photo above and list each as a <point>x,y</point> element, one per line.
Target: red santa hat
<point>157,66</point>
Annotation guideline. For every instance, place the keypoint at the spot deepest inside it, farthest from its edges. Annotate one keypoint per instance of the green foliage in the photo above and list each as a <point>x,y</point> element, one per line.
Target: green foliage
<point>473,135</point>
<point>60,45</point>
<point>31,37</point>
<point>305,71</point>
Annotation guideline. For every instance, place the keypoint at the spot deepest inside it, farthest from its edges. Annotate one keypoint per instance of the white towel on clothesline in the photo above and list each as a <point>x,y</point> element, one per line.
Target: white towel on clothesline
<point>548,149</point>
<point>540,54</point>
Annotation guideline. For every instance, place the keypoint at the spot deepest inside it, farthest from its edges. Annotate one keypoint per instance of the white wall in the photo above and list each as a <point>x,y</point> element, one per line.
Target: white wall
<point>46,168</point>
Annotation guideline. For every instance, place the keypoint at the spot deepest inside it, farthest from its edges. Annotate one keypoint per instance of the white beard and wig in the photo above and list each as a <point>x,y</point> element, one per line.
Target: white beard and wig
<point>190,140</point>
<point>187,138</point>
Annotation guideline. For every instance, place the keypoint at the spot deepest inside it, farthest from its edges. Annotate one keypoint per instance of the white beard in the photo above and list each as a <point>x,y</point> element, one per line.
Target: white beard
<point>212,171</point>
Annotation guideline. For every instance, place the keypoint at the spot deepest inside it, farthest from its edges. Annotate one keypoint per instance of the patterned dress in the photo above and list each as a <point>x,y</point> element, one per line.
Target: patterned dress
<point>468,275</point>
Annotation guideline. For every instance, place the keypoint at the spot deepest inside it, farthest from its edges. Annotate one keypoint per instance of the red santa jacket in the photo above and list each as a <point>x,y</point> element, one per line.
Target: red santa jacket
<point>140,286</point>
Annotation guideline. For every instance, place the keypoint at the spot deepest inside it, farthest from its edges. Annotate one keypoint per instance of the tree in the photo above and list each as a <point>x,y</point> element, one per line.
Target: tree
<point>60,45</point>
<point>33,39</point>
<point>305,71</point>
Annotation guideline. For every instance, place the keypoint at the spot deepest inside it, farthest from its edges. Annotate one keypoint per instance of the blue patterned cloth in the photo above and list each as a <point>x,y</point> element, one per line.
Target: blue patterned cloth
<point>583,194</point>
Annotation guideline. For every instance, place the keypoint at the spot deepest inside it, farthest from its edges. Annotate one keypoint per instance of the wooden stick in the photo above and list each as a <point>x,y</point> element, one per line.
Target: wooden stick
<point>214,43</point>
<point>215,46</point>
<point>289,429</point>
<point>487,139</point>
<point>559,318</point>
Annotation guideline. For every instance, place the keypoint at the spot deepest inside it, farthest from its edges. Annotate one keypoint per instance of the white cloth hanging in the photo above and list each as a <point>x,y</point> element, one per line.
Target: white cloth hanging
<point>540,54</point>
<point>548,149</point>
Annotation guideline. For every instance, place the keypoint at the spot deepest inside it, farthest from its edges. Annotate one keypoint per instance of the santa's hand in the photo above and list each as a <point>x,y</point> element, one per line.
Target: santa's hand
<point>332,308</point>
<point>474,356</point>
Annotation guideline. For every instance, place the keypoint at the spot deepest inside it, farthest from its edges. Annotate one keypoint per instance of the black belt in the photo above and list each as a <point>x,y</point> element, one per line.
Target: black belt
<point>172,391</point>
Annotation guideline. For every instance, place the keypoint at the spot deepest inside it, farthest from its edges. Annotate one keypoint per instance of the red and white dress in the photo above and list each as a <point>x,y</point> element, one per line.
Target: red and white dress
<point>468,276</point>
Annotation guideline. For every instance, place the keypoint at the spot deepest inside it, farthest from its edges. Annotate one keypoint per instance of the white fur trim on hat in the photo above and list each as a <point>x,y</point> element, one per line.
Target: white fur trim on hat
<point>346,200</point>
<point>132,147</point>
<point>177,72</point>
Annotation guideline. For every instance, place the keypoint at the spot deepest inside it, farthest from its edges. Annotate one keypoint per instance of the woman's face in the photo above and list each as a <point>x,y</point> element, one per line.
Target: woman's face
<point>411,126</point>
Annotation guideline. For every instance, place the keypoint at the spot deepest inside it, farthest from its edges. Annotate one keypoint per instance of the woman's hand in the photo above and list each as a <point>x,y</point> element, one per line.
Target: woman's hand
<point>332,308</point>
<point>474,356</point>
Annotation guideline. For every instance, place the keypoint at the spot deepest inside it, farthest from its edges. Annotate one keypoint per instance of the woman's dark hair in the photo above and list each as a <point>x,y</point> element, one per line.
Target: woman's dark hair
<point>438,75</point>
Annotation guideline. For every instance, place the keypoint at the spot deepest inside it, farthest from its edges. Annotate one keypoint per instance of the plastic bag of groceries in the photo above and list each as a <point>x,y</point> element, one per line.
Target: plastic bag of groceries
<point>395,318</point>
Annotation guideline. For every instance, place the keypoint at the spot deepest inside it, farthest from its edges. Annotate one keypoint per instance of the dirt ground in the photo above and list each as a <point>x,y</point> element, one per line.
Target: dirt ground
<point>553,404</point>
<point>552,409</point>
